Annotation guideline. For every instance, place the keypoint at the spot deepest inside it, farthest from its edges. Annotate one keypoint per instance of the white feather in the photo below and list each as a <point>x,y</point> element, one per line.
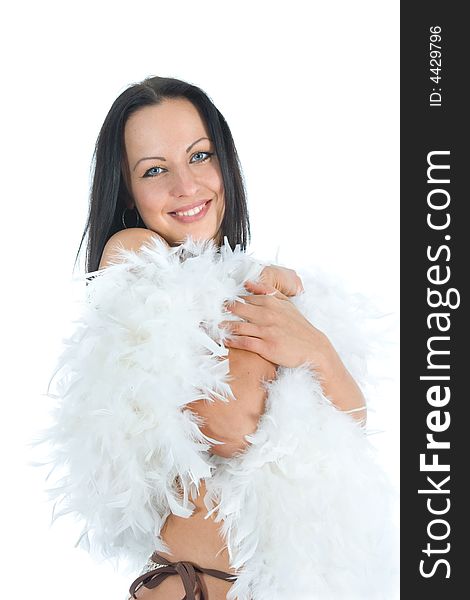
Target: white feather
<point>304,509</point>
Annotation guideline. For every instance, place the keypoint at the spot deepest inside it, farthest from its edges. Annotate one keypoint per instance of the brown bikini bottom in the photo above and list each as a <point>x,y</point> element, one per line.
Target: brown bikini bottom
<point>188,571</point>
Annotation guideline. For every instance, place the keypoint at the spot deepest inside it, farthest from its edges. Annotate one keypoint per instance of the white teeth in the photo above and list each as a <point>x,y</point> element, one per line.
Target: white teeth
<point>193,211</point>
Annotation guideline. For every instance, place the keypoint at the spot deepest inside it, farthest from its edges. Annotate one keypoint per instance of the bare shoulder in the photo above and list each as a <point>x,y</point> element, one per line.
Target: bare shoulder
<point>130,239</point>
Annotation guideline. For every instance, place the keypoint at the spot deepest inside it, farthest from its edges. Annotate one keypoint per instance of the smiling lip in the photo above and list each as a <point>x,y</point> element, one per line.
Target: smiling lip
<point>190,218</point>
<point>189,206</point>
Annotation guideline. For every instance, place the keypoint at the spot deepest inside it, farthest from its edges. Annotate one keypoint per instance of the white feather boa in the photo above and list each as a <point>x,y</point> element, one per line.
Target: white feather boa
<point>304,511</point>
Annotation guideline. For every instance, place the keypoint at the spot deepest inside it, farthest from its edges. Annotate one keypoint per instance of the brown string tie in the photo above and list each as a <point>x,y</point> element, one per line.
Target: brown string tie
<point>189,573</point>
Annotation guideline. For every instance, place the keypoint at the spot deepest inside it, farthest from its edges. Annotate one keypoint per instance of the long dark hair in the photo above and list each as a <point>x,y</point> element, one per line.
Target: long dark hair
<point>109,191</point>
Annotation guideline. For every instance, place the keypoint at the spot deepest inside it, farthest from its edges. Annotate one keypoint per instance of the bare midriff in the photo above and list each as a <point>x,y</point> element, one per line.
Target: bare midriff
<point>198,540</point>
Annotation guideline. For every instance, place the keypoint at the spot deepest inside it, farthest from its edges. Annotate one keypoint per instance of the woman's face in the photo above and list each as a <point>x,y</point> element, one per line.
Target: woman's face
<point>173,169</point>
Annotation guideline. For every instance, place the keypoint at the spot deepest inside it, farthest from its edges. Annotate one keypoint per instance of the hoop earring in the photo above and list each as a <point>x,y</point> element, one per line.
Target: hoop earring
<point>124,221</point>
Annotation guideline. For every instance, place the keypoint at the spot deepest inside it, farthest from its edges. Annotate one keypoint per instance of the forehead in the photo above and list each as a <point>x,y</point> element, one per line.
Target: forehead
<point>172,124</point>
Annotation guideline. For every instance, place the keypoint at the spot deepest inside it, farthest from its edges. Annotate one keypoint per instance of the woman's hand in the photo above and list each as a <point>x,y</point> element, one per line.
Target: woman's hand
<point>282,279</point>
<point>276,330</point>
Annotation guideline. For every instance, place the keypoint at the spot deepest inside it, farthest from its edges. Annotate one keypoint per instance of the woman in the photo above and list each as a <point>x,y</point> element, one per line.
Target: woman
<point>166,155</point>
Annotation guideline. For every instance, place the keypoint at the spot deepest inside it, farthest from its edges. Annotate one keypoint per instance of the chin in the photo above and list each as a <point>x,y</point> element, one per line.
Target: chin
<point>200,235</point>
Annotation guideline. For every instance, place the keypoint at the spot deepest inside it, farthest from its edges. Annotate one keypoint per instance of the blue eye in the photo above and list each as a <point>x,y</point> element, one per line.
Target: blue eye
<point>153,171</point>
<point>148,173</point>
<point>208,155</point>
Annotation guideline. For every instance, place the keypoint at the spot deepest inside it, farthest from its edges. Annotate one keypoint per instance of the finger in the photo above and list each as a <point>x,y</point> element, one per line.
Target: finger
<point>287,281</point>
<point>264,289</point>
<point>251,310</point>
<point>241,328</point>
<point>243,342</point>
<point>287,286</point>
<point>260,287</point>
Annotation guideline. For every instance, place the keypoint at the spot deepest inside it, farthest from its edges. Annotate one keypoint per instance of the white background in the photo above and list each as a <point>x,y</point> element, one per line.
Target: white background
<point>310,91</point>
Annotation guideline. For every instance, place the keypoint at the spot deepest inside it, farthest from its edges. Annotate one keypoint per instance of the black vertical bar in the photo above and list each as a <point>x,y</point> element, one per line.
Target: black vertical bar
<point>434,260</point>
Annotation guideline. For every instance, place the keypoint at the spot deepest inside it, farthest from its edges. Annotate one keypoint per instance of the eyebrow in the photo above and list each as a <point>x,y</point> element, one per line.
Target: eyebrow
<point>164,159</point>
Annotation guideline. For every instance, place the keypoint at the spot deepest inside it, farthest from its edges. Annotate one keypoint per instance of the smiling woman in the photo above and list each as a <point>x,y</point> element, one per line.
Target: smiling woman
<point>210,416</point>
<point>172,184</point>
<point>165,148</point>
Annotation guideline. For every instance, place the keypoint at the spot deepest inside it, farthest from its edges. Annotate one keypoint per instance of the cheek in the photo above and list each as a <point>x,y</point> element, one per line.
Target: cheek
<point>149,198</point>
<point>217,183</point>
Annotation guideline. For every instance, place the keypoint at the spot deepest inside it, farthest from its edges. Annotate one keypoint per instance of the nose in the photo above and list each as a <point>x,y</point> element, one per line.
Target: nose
<point>184,182</point>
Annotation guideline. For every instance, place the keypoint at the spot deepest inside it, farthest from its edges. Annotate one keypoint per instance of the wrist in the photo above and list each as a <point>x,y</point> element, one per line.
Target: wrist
<point>338,384</point>
<point>325,361</point>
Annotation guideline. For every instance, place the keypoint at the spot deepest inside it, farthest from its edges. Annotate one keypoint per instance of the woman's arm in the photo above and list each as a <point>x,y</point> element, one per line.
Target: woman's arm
<point>226,422</point>
<point>130,239</point>
<point>230,422</point>
<point>340,386</point>
<point>276,330</point>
